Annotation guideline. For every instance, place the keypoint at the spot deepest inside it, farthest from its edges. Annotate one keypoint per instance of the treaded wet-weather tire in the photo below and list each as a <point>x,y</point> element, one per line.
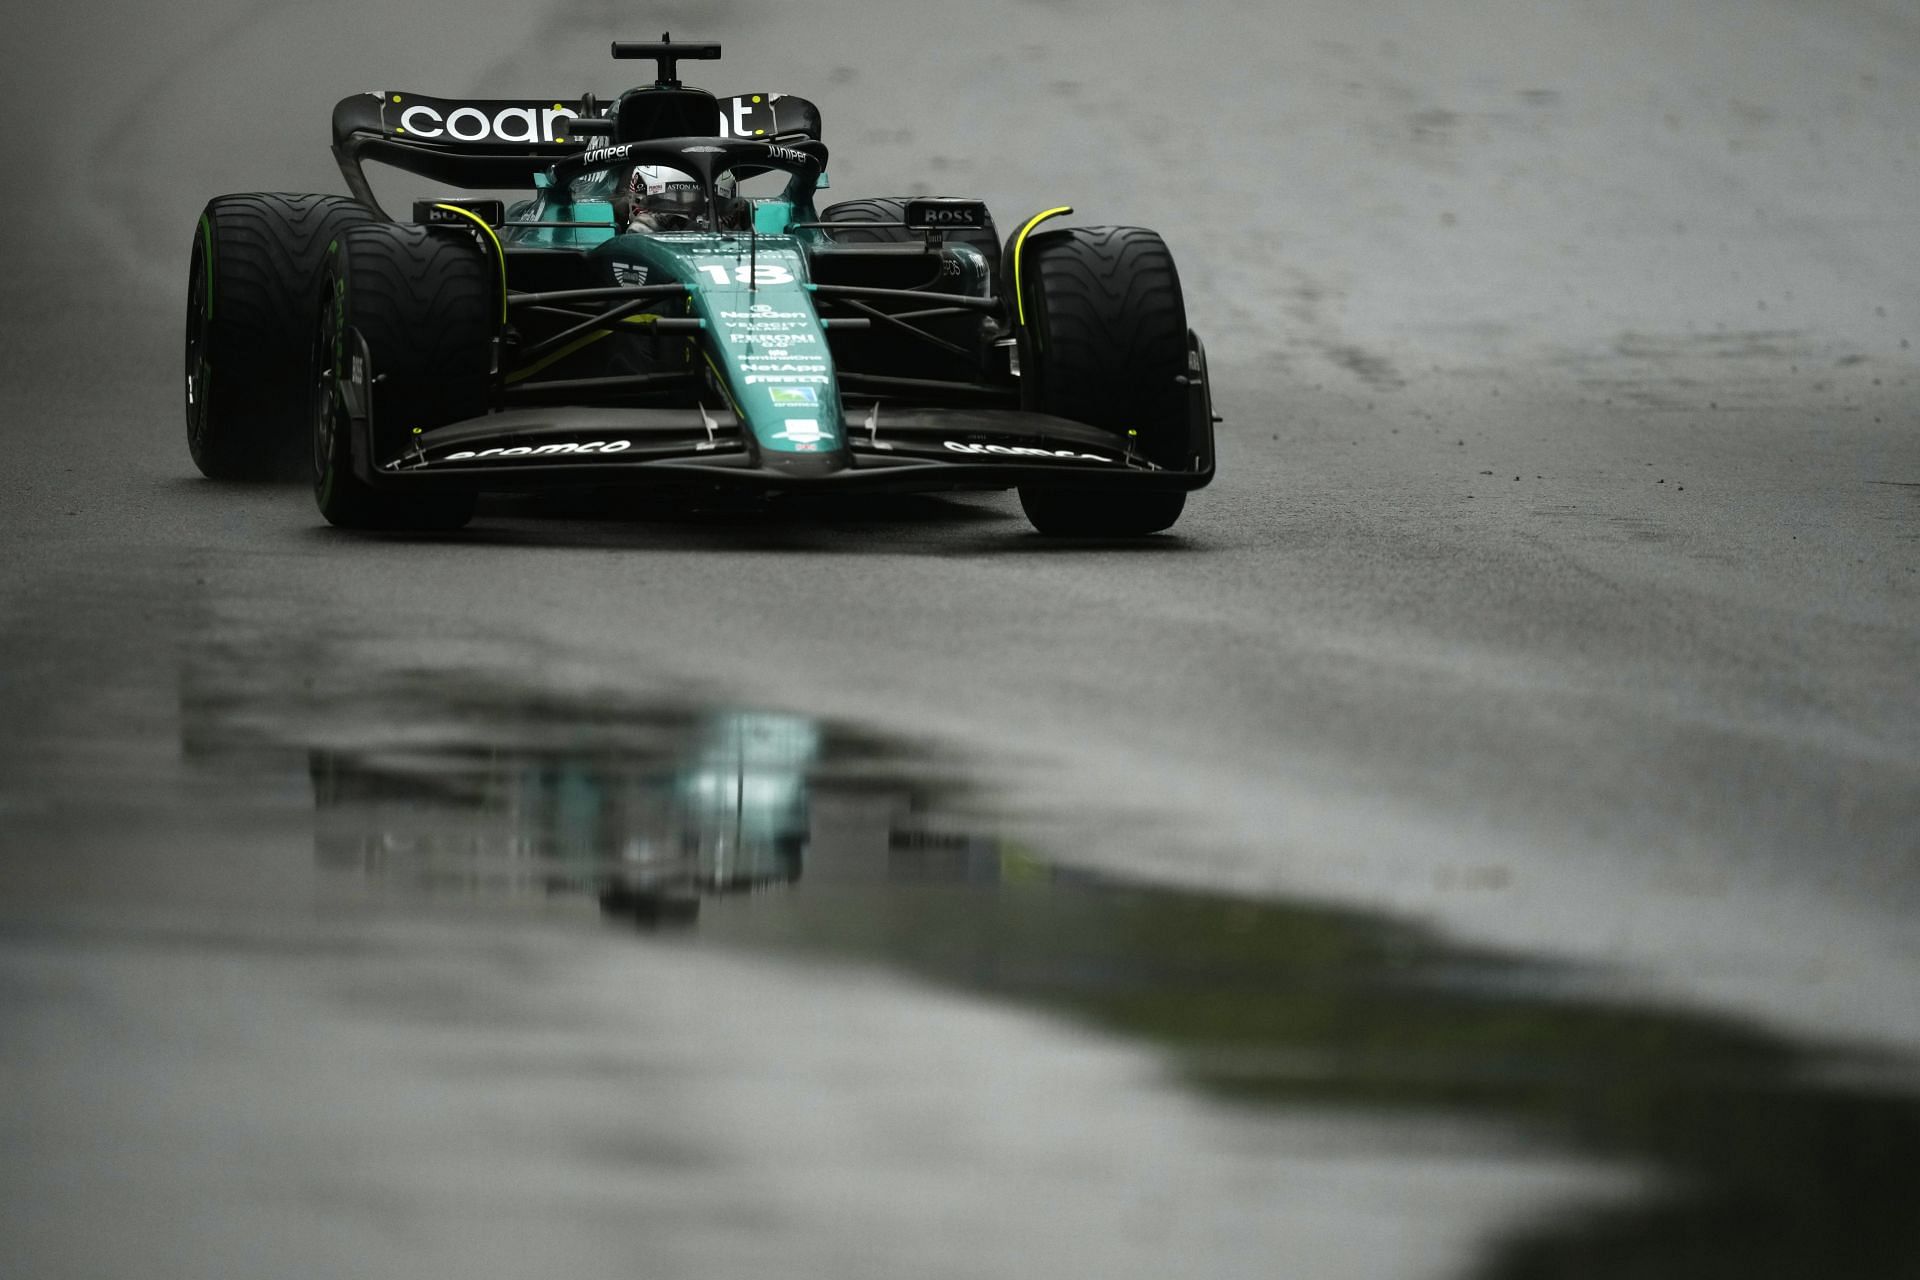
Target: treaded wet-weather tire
<point>892,209</point>
<point>252,283</point>
<point>424,305</point>
<point>1108,347</point>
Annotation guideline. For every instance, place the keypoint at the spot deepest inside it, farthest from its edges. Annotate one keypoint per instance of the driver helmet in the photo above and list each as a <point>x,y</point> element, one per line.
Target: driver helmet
<point>664,199</point>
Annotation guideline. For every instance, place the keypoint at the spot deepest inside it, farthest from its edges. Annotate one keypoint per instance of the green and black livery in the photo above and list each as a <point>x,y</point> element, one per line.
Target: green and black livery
<point>894,344</point>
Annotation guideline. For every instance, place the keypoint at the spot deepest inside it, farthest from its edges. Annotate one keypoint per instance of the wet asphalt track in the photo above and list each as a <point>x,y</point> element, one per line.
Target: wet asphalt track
<point>1480,841</point>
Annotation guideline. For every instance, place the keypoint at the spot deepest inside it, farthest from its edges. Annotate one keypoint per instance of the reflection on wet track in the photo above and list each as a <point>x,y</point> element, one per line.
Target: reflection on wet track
<point>723,810</point>
<point>812,840</point>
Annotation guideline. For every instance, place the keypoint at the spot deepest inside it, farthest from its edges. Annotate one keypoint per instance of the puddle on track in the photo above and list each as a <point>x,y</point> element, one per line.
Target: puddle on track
<point>775,834</point>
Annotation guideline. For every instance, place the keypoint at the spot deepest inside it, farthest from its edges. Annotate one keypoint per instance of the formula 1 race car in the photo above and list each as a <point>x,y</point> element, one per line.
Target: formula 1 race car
<point>644,319</point>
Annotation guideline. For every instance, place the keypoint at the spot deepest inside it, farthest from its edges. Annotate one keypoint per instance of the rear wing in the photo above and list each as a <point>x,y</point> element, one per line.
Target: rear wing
<point>501,143</point>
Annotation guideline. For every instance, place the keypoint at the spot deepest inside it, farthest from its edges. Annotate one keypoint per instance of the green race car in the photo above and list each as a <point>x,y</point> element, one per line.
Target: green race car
<point>668,309</point>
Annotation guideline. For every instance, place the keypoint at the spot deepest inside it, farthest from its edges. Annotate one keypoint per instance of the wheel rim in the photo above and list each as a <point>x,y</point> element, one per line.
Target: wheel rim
<point>198,376</point>
<point>325,398</point>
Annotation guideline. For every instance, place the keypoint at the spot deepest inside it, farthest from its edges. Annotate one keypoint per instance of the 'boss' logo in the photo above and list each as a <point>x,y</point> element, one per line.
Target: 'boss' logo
<point>935,214</point>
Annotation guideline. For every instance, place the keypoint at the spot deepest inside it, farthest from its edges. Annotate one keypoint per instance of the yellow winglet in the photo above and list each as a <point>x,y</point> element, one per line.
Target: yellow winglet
<point>1019,245</point>
<point>499,254</point>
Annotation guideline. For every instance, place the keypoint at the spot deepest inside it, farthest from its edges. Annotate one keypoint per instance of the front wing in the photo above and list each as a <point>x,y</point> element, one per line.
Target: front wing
<point>887,450</point>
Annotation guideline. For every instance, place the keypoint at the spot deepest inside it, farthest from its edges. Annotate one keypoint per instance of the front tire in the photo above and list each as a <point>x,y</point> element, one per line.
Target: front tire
<point>1094,513</point>
<point>252,281</point>
<point>423,305</point>
<point>1106,344</point>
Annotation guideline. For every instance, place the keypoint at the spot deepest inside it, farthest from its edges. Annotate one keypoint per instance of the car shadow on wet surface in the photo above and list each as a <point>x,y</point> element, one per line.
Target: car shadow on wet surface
<point>931,524</point>
<point>776,834</point>
<point>898,524</point>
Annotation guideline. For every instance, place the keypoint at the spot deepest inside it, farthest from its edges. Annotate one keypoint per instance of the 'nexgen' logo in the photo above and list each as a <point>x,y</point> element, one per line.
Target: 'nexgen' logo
<point>471,124</point>
<point>543,450</point>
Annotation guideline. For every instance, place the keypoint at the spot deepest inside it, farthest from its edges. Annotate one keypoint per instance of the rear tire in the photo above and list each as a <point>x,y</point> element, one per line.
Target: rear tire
<point>892,209</point>
<point>1106,341</point>
<point>252,282</point>
<point>424,305</point>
